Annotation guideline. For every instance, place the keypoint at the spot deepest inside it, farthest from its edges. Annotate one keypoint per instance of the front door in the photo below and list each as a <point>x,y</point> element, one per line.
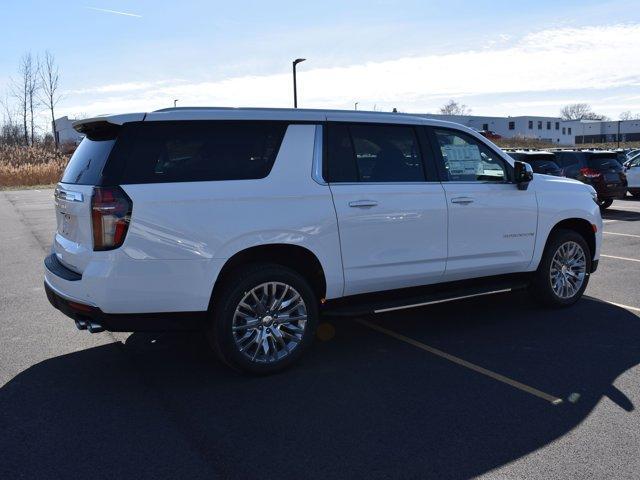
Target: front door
<point>492,225</point>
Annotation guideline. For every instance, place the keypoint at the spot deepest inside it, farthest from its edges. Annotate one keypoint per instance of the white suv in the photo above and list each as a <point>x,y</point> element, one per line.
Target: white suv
<point>250,223</point>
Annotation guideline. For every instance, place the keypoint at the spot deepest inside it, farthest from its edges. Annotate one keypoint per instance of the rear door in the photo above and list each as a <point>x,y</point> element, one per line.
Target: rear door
<point>73,241</point>
<point>391,211</point>
<point>492,225</point>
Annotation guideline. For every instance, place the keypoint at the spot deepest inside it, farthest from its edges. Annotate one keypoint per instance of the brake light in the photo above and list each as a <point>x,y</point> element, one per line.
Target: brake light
<point>110,215</point>
<point>589,173</point>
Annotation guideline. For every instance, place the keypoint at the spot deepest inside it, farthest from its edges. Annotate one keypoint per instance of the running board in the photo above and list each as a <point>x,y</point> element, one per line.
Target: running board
<point>385,302</point>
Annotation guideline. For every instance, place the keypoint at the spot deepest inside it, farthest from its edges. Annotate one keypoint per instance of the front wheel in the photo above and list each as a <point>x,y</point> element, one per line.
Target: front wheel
<point>264,319</point>
<point>563,273</point>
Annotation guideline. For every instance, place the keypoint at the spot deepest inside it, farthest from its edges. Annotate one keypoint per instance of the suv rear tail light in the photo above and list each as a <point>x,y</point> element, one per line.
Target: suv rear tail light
<point>589,173</point>
<point>110,215</point>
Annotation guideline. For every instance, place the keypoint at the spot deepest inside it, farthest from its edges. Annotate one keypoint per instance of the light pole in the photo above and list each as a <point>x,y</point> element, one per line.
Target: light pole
<point>355,105</point>
<point>295,86</point>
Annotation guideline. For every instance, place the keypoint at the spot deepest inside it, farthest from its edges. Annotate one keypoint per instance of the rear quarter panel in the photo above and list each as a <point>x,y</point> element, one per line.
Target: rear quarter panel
<point>205,223</point>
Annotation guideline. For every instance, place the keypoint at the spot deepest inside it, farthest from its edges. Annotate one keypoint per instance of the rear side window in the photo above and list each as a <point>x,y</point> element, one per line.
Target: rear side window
<point>373,153</point>
<point>87,162</point>
<point>202,151</point>
<point>568,159</point>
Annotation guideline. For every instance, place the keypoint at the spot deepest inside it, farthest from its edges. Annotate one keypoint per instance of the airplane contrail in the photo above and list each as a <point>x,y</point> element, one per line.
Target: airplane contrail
<point>116,12</point>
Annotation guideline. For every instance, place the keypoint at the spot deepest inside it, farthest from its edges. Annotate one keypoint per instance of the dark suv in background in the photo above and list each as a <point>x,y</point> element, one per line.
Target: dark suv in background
<point>600,169</point>
<point>541,161</point>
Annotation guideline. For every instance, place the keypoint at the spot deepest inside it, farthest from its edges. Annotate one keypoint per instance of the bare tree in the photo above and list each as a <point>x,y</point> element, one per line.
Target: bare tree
<point>580,111</point>
<point>20,91</point>
<point>49,77</point>
<point>454,108</point>
<point>33,87</point>
<point>628,115</point>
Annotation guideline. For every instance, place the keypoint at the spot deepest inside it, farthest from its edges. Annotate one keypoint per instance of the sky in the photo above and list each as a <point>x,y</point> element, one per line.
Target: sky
<point>498,58</point>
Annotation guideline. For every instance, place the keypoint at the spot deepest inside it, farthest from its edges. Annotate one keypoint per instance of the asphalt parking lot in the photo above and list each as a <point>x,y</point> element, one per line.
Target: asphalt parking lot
<point>493,388</point>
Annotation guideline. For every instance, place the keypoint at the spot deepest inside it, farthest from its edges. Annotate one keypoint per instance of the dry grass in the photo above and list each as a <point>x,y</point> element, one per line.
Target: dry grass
<point>26,166</point>
<point>539,144</point>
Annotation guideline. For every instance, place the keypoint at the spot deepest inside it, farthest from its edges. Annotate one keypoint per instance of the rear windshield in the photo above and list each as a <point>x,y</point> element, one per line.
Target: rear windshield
<point>86,164</point>
<point>544,163</point>
<point>604,160</point>
<point>201,151</point>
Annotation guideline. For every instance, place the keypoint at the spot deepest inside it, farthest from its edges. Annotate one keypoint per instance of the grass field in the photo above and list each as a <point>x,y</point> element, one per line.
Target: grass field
<point>27,166</point>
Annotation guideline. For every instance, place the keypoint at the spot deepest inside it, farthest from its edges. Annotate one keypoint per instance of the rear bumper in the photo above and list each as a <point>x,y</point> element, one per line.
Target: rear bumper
<point>86,314</point>
<point>610,192</point>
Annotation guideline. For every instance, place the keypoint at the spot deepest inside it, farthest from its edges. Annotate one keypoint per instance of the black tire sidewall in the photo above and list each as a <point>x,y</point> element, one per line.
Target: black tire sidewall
<point>221,335</point>
<point>542,285</point>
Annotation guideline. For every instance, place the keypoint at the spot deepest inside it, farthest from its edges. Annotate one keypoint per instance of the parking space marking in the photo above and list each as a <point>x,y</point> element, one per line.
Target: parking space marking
<point>459,361</point>
<point>621,258</point>
<point>622,234</point>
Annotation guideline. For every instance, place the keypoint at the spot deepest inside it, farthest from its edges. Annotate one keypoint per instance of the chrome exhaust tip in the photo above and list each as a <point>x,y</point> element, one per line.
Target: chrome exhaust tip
<point>94,327</point>
<point>81,324</point>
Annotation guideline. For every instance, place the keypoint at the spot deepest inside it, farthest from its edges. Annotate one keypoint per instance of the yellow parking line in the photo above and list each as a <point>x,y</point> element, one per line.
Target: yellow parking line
<point>459,361</point>
<point>620,258</point>
<point>622,234</point>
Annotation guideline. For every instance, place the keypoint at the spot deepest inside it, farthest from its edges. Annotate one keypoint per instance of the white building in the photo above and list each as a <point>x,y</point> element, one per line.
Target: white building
<point>549,129</point>
<point>596,131</point>
<point>65,133</point>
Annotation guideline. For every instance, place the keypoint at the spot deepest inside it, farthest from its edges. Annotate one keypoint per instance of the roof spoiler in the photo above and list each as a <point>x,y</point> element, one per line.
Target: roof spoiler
<point>102,122</point>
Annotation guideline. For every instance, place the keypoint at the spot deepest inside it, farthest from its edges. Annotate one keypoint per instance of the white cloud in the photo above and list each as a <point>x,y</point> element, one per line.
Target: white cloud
<point>560,59</point>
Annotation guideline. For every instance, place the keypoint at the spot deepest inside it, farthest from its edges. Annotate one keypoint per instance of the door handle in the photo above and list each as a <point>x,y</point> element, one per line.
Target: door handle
<point>363,203</point>
<point>462,200</point>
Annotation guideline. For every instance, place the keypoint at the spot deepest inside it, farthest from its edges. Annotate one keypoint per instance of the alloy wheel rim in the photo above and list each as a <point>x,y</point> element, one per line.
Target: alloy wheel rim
<point>568,270</point>
<point>269,322</point>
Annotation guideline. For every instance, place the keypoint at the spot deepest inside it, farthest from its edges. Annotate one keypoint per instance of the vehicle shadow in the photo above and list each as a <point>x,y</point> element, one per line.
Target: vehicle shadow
<point>361,404</point>
<point>612,213</point>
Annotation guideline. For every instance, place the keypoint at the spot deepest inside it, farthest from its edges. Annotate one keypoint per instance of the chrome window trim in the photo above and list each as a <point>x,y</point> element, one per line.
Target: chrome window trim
<point>316,166</point>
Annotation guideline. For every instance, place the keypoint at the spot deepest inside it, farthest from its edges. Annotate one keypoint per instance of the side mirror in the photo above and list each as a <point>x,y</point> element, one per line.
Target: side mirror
<point>523,173</point>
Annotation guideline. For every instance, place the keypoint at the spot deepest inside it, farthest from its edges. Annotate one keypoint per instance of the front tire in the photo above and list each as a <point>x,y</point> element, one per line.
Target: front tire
<point>563,273</point>
<point>263,319</point>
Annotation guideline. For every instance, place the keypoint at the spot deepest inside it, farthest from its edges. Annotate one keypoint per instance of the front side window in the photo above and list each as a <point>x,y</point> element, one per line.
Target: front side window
<point>373,153</point>
<point>202,151</point>
<point>468,160</point>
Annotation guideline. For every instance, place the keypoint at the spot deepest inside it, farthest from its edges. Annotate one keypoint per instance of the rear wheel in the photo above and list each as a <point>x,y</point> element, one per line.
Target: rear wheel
<point>605,203</point>
<point>264,319</point>
<point>563,273</point>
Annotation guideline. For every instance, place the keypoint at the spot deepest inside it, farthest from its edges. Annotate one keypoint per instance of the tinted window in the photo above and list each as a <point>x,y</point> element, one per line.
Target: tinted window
<point>567,159</point>
<point>544,164</point>
<point>468,160</point>
<point>87,162</point>
<point>373,153</point>
<point>604,161</point>
<point>340,159</point>
<point>202,151</point>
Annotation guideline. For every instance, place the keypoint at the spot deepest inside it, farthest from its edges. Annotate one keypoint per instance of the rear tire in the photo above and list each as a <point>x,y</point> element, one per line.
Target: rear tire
<point>263,319</point>
<point>605,203</point>
<point>563,273</point>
